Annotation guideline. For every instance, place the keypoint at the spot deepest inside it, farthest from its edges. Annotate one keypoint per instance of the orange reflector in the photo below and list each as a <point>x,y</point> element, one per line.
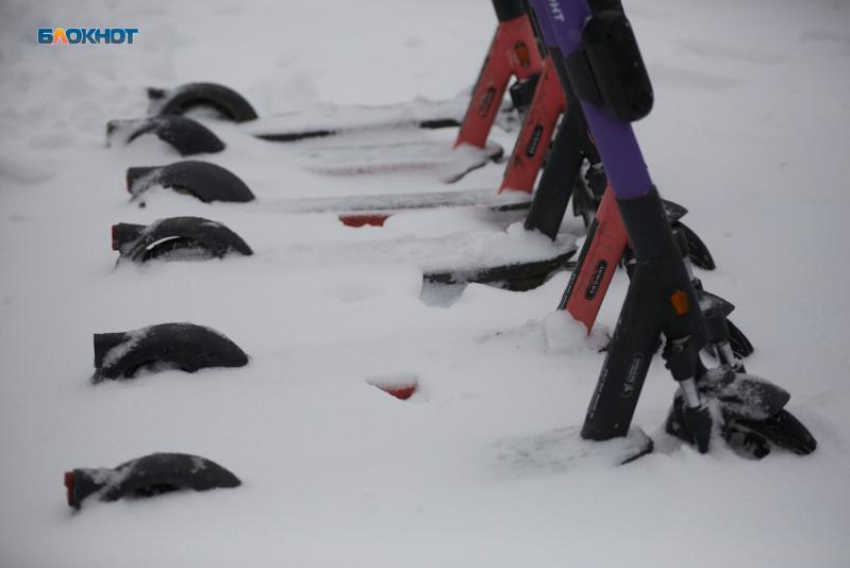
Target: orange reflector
<point>522,54</point>
<point>680,302</point>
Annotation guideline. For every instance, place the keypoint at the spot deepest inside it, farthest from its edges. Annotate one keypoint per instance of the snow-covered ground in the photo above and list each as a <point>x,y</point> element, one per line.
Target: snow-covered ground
<point>750,131</point>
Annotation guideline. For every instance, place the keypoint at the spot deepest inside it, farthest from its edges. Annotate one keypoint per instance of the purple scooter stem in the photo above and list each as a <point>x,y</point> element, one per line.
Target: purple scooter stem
<point>605,69</point>
<point>561,24</point>
<point>661,298</point>
<point>545,27</point>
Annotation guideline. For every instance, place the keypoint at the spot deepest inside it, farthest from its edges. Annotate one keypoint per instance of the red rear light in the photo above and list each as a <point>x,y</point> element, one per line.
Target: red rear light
<point>69,485</point>
<point>400,387</point>
<point>402,392</point>
<point>360,220</point>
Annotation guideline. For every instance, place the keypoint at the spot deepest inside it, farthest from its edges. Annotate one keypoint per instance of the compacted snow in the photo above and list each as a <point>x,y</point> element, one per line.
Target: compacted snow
<point>750,132</point>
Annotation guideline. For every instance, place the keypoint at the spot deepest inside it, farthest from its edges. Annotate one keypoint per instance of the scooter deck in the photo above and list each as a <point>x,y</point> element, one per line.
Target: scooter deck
<point>516,260</point>
<point>390,203</point>
<point>325,120</point>
<point>482,256</point>
<point>397,153</point>
<point>209,183</point>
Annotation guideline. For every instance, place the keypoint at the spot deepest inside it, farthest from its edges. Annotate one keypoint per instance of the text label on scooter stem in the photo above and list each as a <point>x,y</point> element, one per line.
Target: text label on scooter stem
<point>632,378</point>
<point>596,279</point>
<point>555,9</point>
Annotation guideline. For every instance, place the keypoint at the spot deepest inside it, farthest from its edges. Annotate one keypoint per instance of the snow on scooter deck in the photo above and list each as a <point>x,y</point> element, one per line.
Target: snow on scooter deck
<point>388,203</point>
<point>323,120</point>
<point>388,151</point>
<point>520,259</point>
<point>209,182</point>
<point>515,259</point>
<point>319,120</point>
<point>352,155</point>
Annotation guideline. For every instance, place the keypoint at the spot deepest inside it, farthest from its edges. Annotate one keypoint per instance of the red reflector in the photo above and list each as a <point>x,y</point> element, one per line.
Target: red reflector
<point>402,387</point>
<point>401,393</point>
<point>69,485</point>
<point>114,237</point>
<point>370,219</point>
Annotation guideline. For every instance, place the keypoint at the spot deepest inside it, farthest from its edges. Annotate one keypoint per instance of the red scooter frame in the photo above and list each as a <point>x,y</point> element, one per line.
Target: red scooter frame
<point>513,53</point>
<point>538,128</point>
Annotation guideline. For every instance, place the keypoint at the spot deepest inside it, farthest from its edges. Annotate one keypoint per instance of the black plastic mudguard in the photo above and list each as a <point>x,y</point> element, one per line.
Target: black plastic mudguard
<point>184,346</point>
<point>673,210</point>
<point>202,180</point>
<point>697,250</point>
<point>147,476</point>
<point>176,237</point>
<point>187,136</point>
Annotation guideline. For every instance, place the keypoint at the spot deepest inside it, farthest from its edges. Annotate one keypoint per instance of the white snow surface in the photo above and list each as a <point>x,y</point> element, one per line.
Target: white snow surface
<point>750,131</point>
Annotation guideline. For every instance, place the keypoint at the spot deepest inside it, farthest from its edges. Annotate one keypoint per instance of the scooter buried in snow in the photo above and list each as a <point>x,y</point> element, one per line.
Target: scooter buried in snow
<point>605,67</point>
<point>515,260</point>
<point>514,51</point>
<point>210,183</point>
<point>562,179</point>
<point>518,261</point>
<point>360,153</point>
<point>365,140</point>
<point>572,150</point>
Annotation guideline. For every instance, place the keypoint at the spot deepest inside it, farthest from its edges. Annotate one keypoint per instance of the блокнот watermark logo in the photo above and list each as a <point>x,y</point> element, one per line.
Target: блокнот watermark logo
<point>76,36</point>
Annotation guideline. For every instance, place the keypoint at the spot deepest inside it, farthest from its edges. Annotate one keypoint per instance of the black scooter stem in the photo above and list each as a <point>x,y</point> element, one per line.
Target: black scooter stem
<point>604,64</point>
<point>570,147</point>
<point>660,300</point>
